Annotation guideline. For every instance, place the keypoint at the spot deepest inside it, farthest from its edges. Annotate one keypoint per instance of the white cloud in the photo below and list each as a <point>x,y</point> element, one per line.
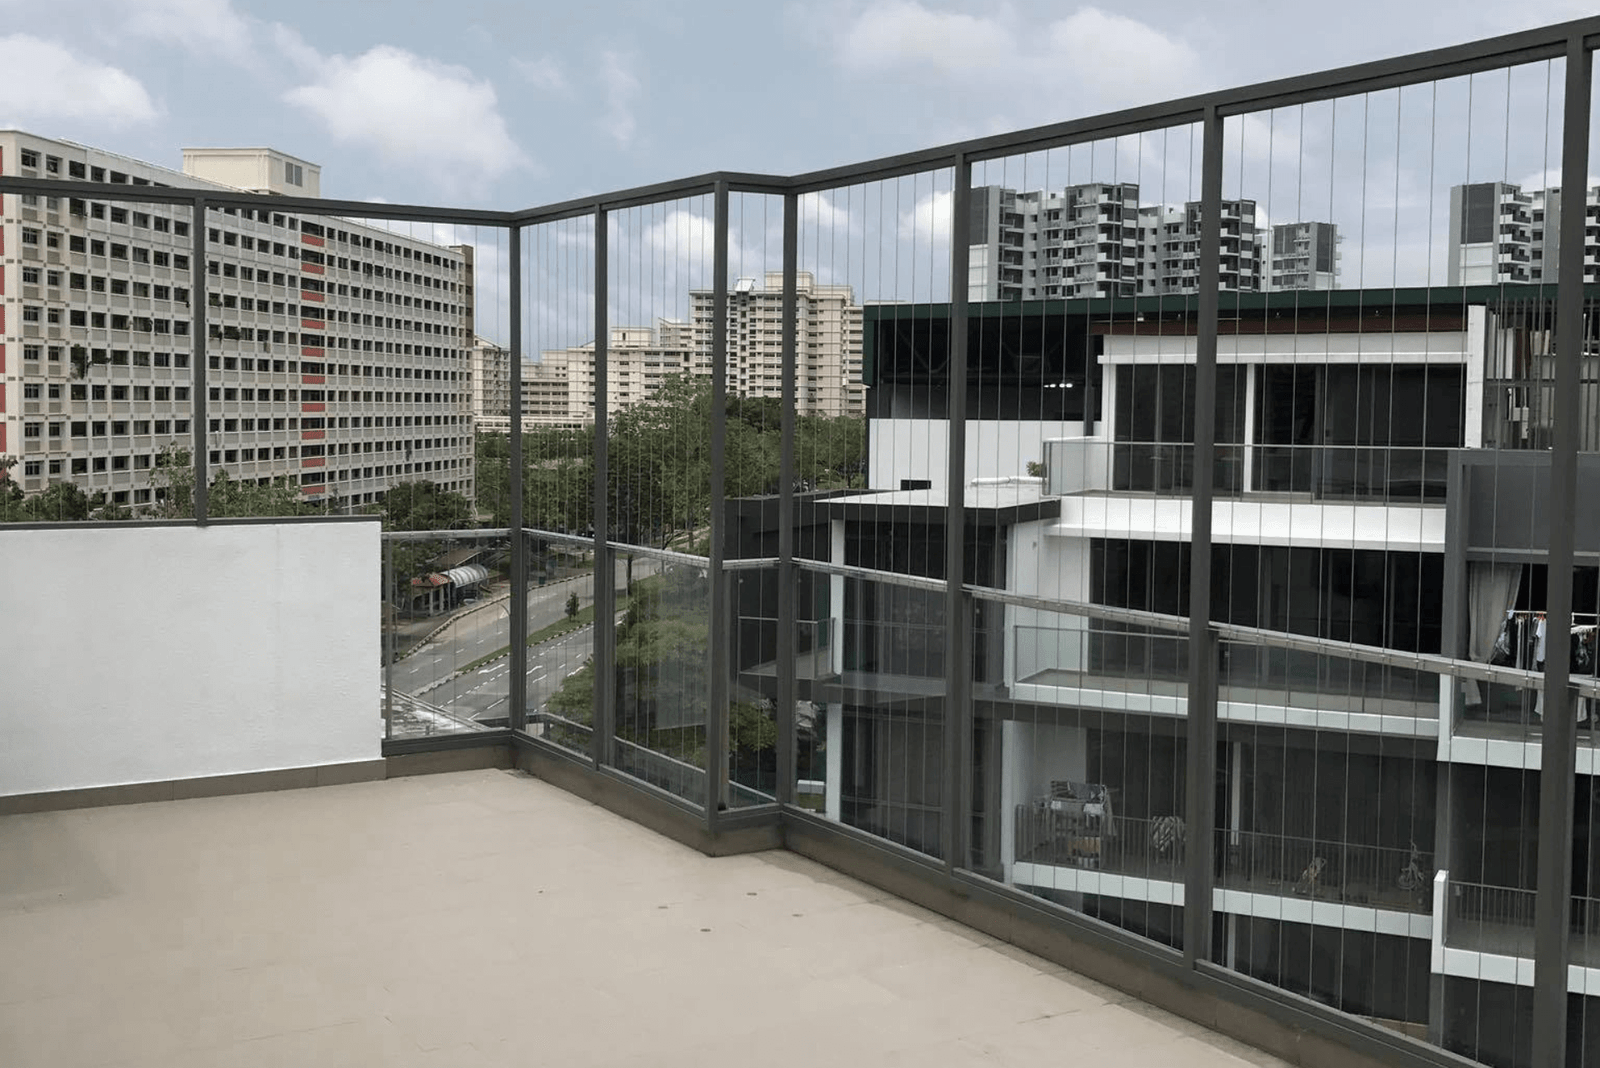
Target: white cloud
<point>621,89</point>
<point>895,32</point>
<point>818,212</point>
<point>929,219</point>
<point>1551,179</point>
<point>293,47</point>
<point>204,26</point>
<point>1120,61</point>
<point>544,74</point>
<point>45,81</point>
<point>1089,60</point>
<point>429,115</point>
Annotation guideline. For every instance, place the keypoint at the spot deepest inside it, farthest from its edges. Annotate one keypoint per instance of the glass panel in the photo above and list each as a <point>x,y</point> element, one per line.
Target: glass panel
<point>561,598</point>
<point>663,630</point>
<point>446,621</point>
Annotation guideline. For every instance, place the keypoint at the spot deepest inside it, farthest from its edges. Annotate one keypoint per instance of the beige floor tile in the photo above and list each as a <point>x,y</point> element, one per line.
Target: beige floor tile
<point>486,918</point>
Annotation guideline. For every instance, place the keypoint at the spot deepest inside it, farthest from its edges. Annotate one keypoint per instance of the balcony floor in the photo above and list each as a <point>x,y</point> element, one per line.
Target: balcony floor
<point>487,918</point>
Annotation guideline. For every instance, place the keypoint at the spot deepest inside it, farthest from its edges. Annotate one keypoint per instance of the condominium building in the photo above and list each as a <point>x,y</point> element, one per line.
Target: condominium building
<point>1096,240</point>
<point>489,380</point>
<point>1500,232</point>
<point>1372,839</point>
<point>1302,255</point>
<point>337,352</point>
<point>639,358</point>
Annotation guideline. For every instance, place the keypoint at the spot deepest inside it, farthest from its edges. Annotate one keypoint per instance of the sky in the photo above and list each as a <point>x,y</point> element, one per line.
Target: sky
<point>506,104</point>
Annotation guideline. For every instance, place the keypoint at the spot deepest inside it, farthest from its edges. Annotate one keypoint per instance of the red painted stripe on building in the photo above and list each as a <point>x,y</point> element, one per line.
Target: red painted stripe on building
<point>2,437</point>
<point>310,350</point>
<point>308,295</point>
<point>312,489</point>
<point>307,239</point>
<point>312,268</point>
<point>313,406</point>
<point>313,435</point>
<point>313,461</point>
<point>311,380</point>
<point>2,357</point>
<point>313,324</point>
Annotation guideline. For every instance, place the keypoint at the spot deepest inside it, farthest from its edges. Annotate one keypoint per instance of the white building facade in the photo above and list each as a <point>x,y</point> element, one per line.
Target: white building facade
<point>338,353</point>
<point>639,358</point>
<point>1500,233</point>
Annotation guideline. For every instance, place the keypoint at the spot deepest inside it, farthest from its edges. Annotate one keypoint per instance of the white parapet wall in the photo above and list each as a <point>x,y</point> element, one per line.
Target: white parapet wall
<point>138,654</point>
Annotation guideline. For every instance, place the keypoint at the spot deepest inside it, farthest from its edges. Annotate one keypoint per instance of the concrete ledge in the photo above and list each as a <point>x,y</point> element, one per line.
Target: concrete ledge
<point>668,816</point>
<point>250,782</point>
<point>470,758</point>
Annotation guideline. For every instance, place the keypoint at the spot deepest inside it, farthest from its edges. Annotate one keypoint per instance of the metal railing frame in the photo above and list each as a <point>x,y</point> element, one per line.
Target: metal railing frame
<point>1572,42</point>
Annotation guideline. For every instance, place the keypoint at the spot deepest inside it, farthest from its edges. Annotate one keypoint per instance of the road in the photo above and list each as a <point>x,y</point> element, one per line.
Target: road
<point>486,629</point>
<point>431,673</point>
<point>482,694</point>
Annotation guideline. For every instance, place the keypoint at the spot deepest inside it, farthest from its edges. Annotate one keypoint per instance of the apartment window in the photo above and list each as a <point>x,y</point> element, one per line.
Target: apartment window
<point>30,159</point>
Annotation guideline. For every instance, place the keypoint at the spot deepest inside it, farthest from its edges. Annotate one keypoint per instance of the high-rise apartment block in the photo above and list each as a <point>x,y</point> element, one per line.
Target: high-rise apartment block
<point>639,358</point>
<point>1303,255</point>
<point>1500,232</point>
<point>1097,240</point>
<point>337,352</point>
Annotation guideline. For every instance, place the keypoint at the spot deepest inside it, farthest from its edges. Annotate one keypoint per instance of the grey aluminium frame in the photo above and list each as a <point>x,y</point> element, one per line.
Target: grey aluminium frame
<point>787,574</point>
<point>201,424</point>
<point>719,661</point>
<point>955,825</point>
<point>1558,759</point>
<point>1200,799</point>
<point>605,582</point>
<point>1573,41</point>
<point>518,684</point>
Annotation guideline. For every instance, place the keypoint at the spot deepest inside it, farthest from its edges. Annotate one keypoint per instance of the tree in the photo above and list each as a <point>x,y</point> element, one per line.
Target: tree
<point>424,506</point>
<point>226,497</point>
<point>60,502</point>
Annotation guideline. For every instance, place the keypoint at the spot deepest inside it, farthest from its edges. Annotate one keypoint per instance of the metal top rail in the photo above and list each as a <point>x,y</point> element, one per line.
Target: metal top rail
<point>1526,46</point>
